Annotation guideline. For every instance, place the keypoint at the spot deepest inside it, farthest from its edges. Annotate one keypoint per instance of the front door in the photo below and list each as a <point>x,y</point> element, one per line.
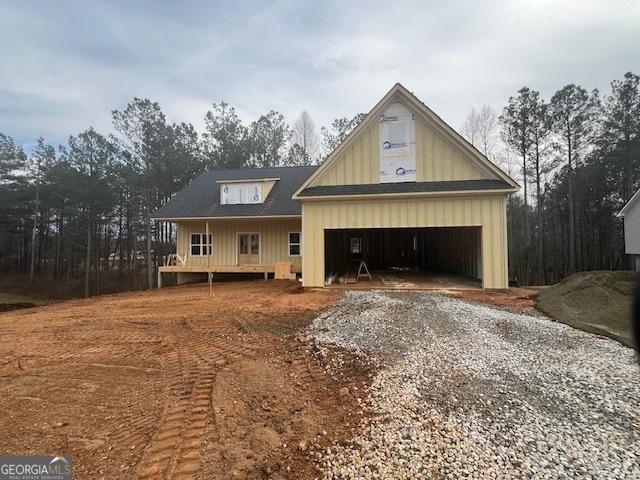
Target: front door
<point>248,248</point>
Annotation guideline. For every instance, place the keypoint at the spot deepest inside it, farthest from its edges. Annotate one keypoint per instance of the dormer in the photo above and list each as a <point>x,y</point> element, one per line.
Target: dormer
<point>245,192</point>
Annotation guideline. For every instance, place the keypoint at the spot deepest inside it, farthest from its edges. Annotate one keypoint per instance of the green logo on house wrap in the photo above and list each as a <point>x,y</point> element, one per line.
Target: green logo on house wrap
<point>35,467</point>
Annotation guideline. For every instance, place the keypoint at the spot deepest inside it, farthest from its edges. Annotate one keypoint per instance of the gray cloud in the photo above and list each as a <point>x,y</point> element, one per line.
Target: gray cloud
<point>66,65</point>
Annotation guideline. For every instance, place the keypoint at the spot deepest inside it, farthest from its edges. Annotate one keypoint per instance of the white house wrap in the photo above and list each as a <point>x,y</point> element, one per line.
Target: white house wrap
<point>397,145</point>
<point>240,193</point>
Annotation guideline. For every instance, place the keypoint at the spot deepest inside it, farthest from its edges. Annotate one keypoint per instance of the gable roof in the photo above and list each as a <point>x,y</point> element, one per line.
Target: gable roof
<point>201,198</point>
<point>399,92</point>
<point>627,206</point>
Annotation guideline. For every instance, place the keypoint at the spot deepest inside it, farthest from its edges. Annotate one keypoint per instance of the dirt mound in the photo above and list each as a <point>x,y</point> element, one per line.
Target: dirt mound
<point>598,302</point>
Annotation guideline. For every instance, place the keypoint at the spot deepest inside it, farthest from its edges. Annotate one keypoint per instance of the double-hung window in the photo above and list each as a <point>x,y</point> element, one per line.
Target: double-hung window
<point>294,244</point>
<point>356,245</point>
<point>200,245</point>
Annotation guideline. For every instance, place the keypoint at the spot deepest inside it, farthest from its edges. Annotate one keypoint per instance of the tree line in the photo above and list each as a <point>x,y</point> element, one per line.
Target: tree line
<point>82,209</point>
<point>577,158</point>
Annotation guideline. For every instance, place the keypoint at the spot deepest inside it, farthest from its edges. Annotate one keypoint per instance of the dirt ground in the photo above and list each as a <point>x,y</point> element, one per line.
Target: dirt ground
<point>410,280</point>
<point>175,384</point>
<point>519,300</point>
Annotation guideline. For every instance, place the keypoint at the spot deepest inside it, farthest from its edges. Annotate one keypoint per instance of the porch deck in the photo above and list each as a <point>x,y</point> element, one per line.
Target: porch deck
<point>181,263</point>
<point>256,268</point>
<point>209,270</point>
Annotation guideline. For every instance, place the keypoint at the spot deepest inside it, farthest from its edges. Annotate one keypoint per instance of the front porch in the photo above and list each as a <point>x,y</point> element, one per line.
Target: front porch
<point>177,264</point>
<point>267,246</point>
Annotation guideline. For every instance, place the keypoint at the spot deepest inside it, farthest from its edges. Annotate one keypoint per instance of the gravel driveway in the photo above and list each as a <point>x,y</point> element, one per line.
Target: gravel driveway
<point>470,391</point>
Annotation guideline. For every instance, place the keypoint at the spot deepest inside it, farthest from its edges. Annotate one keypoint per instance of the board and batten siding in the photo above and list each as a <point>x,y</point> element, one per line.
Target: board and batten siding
<point>436,160</point>
<point>632,230</point>
<point>487,212</point>
<point>274,239</point>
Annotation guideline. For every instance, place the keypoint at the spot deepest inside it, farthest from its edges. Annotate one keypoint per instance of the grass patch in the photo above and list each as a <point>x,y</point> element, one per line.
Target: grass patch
<point>8,298</point>
<point>14,301</point>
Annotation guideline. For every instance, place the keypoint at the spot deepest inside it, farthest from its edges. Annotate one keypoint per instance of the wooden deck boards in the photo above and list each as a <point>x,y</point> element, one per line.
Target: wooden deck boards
<point>268,268</point>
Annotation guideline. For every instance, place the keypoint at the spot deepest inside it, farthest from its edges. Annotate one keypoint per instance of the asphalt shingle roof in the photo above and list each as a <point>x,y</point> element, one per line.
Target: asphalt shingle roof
<point>201,198</point>
<point>407,187</point>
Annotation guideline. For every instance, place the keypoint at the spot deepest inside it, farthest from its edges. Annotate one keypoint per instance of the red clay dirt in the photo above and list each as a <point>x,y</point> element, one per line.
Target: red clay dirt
<point>176,384</point>
<point>517,299</point>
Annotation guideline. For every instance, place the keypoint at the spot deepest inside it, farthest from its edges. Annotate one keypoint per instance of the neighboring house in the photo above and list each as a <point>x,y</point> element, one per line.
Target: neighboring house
<point>631,214</point>
<point>403,190</point>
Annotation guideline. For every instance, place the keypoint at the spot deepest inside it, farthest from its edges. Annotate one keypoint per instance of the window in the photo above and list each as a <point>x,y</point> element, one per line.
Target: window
<point>255,244</point>
<point>249,243</point>
<point>356,245</point>
<point>199,244</point>
<point>244,244</point>
<point>294,244</point>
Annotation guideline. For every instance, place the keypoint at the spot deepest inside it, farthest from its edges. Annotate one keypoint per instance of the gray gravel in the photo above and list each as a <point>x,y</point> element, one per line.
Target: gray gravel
<point>469,391</point>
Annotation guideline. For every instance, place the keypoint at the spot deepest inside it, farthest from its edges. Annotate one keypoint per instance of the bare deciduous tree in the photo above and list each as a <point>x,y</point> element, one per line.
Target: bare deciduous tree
<point>488,130</point>
<point>304,141</point>
<point>481,129</point>
<point>469,128</point>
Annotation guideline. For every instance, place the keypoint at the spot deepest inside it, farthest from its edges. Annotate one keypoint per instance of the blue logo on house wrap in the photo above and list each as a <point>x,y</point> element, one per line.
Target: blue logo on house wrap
<point>402,171</point>
<point>386,145</point>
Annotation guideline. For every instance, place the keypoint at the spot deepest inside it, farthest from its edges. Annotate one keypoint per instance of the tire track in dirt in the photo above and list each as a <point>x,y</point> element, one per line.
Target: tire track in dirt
<point>175,450</point>
<point>137,382</point>
<point>162,451</point>
<point>306,371</point>
<point>134,430</point>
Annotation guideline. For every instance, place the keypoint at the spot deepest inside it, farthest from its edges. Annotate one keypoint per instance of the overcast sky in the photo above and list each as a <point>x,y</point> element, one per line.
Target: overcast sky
<point>66,65</point>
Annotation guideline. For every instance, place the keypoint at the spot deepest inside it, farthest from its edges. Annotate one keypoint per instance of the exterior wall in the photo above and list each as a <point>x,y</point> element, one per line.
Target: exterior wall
<point>436,160</point>
<point>488,212</point>
<point>274,239</point>
<point>266,188</point>
<point>632,230</point>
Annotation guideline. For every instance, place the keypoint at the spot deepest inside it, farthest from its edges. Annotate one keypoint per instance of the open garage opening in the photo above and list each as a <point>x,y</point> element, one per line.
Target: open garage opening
<point>431,257</point>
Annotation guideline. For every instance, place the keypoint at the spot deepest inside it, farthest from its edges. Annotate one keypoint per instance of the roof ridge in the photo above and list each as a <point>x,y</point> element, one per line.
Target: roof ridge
<point>244,169</point>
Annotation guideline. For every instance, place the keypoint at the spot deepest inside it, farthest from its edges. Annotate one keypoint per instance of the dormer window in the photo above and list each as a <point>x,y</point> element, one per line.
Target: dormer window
<point>240,193</point>
<point>245,192</point>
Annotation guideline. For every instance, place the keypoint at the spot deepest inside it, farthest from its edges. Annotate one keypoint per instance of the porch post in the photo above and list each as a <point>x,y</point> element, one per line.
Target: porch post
<point>209,276</point>
<point>207,246</point>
